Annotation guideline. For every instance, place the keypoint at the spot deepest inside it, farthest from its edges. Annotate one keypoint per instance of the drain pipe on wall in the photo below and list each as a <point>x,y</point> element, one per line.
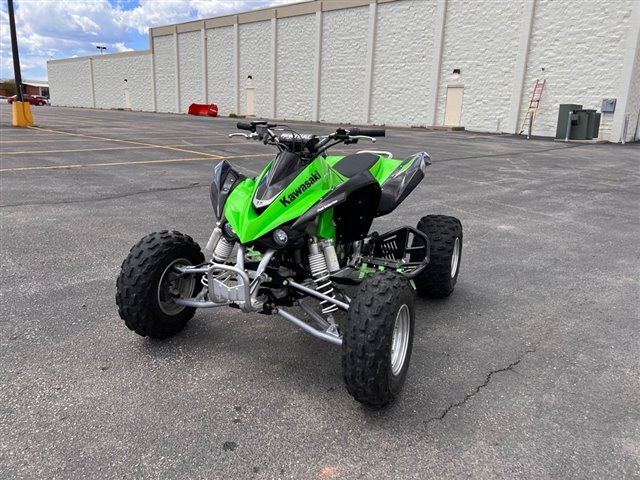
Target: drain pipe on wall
<point>625,127</point>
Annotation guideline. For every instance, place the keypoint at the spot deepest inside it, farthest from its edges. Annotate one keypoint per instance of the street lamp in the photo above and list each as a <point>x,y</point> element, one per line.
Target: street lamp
<point>101,48</point>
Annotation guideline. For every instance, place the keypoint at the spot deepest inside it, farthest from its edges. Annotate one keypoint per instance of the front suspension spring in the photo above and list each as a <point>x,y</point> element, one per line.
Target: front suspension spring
<point>222,251</point>
<point>320,274</point>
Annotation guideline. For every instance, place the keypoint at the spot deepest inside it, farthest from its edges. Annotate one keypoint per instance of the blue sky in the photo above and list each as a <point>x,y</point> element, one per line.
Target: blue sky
<point>51,29</point>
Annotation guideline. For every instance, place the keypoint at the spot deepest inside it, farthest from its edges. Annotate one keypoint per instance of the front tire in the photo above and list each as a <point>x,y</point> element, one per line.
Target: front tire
<point>148,284</point>
<point>376,346</point>
<point>439,278</point>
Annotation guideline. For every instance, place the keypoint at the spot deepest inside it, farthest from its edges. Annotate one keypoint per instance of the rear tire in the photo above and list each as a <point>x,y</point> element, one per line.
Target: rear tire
<point>147,284</point>
<point>439,278</point>
<point>376,346</point>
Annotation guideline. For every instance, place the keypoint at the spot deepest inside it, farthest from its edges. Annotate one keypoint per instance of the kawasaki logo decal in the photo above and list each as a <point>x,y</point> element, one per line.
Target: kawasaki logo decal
<point>287,199</point>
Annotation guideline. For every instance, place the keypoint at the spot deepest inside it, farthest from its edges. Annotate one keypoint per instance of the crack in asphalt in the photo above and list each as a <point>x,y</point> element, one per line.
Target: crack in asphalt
<point>106,197</point>
<point>486,382</point>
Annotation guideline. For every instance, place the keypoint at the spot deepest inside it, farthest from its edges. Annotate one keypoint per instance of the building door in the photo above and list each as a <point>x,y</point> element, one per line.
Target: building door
<point>453,107</point>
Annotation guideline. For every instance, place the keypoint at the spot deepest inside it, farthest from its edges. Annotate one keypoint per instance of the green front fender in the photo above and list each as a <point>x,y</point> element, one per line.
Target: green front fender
<point>309,187</point>
<point>301,195</point>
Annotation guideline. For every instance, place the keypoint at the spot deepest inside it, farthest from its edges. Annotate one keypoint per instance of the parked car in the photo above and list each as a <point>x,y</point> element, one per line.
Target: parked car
<point>3,99</point>
<point>45,99</point>
<point>32,99</point>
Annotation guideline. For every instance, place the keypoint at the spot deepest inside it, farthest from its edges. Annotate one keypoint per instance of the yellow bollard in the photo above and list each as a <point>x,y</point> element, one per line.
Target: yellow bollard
<point>22,114</point>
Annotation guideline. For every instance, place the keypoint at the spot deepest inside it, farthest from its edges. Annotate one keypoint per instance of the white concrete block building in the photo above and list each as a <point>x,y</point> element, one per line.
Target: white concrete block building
<point>383,62</point>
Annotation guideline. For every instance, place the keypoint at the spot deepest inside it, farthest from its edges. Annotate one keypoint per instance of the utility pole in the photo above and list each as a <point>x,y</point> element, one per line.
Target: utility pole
<point>20,110</point>
<point>101,48</point>
<point>14,50</point>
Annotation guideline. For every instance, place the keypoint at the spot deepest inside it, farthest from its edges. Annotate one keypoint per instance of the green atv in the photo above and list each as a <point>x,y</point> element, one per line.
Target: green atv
<point>298,235</point>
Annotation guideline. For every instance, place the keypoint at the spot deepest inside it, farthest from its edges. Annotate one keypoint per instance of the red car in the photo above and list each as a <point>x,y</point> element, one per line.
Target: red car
<point>32,99</point>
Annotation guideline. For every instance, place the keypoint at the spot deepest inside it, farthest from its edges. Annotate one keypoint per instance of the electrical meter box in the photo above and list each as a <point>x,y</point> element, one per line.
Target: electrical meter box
<point>608,105</point>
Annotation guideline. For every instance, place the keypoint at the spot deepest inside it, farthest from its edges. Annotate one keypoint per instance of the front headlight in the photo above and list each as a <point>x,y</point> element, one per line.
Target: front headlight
<point>280,237</point>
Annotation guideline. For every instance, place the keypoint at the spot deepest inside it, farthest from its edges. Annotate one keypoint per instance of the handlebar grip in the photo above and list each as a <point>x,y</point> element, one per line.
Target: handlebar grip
<point>244,126</point>
<point>368,132</point>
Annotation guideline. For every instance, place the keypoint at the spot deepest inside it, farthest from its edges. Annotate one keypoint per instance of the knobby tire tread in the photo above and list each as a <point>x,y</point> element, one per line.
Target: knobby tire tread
<point>366,357</point>
<point>136,288</point>
<point>435,281</point>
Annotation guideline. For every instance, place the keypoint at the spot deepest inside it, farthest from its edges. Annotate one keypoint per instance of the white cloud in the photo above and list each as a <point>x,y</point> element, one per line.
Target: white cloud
<point>120,47</point>
<point>152,12</point>
<point>86,24</point>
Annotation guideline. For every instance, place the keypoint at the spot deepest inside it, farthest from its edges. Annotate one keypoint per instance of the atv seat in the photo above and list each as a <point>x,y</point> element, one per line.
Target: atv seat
<point>353,164</point>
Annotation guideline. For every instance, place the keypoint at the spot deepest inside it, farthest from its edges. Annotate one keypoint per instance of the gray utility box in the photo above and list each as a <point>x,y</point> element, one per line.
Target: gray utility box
<point>608,105</point>
<point>563,118</point>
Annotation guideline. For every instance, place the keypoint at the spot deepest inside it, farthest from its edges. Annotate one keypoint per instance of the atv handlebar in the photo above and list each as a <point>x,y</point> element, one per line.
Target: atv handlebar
<point>308,146</point>
<point>352,132</point>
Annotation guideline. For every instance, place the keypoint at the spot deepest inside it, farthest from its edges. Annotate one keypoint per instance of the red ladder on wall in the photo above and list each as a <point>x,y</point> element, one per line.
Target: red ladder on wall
<point>532,110</point>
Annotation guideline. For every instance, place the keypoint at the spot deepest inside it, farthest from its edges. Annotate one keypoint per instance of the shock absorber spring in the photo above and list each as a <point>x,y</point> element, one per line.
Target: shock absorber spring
<point>320,274</point>
<point>223,250</point>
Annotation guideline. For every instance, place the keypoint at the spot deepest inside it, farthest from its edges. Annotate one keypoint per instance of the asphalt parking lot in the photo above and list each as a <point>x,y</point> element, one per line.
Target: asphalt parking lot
<point>529,370</point>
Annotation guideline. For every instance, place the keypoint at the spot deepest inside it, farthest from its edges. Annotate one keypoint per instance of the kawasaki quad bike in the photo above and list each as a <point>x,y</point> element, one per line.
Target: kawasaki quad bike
<point>298,235</point>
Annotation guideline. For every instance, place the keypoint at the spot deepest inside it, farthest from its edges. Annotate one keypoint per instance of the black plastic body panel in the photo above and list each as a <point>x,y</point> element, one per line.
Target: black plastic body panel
<point>354,204</point>
<point>296,240</point>
<point>225,179</point>
<point>355,215</point>
<point>399,185</point>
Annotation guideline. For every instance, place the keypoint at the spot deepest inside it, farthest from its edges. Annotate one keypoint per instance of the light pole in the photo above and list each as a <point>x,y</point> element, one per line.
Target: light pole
<point>14,51</point>
<point>20,110</point>
<point>101,48</point>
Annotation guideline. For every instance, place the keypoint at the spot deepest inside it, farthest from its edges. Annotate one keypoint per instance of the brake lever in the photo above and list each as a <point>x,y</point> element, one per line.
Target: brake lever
<point>245,135</point>
<point>357,137</point>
